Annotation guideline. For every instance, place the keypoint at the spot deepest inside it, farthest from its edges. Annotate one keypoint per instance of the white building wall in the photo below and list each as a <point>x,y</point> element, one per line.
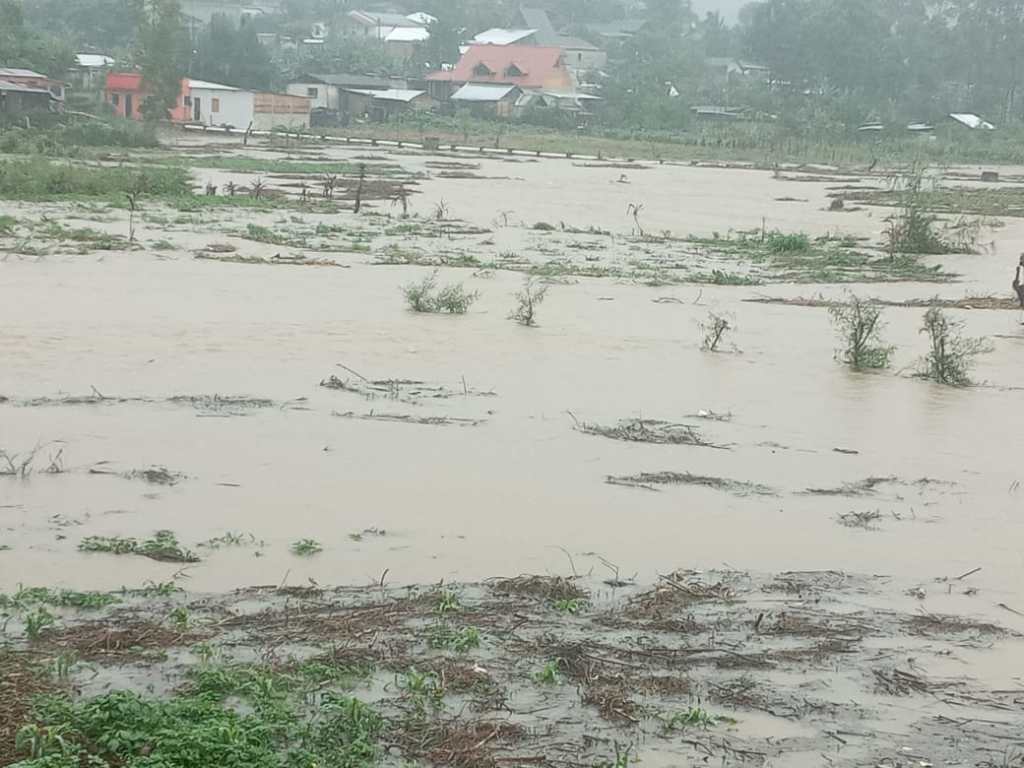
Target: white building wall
<point>234,108</point>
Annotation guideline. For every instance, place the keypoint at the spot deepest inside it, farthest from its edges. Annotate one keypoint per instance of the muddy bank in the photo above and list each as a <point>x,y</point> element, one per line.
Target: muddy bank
<point>557,671</point>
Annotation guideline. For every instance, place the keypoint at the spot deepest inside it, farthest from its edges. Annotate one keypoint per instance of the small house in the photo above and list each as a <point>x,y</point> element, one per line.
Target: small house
<point>124,93</point>
<point>16,99</point>
<point>30,79</point>
<point>215,104</point>
<point>488,99</point>
<point>525,66</point>
<point>333,94</point>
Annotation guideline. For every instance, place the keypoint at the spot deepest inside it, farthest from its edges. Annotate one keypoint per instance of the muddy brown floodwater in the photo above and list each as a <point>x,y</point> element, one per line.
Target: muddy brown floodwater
<point>513,492</point>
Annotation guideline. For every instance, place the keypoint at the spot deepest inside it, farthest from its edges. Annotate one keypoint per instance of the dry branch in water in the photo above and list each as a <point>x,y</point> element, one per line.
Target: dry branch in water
<point>435,421</point>
<point>647,431</point>
<point>649,481</point>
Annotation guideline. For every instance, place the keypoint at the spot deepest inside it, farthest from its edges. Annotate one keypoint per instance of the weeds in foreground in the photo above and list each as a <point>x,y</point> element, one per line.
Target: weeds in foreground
<point>859,326</point>
<point>951,355</point>
<point>62,598</point>
<point>444,637</point>
<point>36,622</point>
<point>200,729</point>
<point>530,297</point>
<point>713,331</point>
<point>448,602</point>
<point>306,548</point>
<point>425,296</point>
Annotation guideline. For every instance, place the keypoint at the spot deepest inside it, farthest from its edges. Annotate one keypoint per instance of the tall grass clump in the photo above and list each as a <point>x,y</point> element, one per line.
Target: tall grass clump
<point>39,179</point>
<point>779,242</point>
<point>859,326</point>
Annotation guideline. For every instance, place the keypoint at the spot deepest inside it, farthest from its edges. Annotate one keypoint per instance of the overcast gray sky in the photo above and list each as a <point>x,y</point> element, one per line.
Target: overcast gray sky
<point>728,8</point>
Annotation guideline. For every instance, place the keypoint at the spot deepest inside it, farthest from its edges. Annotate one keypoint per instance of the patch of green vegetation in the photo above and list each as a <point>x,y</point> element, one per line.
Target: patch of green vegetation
<point>448,602</point>
<point>243,164</point>
<point>262,234</point>
<point>92,238</point>
<point>573,606</point>
<point>974,201</point>
<point>951,355</point>
<point>154,589</point>
<point>778,242</point>
<point>444,637</point>
<point>36,621</point>
<point>549,674</point>
<point>163,245</point>
<point>62,598</point>
<point>67,140</point>
<point>163,546</point>
<point>306,547</point>
<point>40,179</point>
<point>199,730</point>
<point>7,224</point>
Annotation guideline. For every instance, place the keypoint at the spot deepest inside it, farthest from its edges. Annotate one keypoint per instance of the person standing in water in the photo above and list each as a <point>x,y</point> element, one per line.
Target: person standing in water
<point>1018,287</point>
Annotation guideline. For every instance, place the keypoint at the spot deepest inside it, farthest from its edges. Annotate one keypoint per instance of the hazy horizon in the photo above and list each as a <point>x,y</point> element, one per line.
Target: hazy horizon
<point>728,8</point>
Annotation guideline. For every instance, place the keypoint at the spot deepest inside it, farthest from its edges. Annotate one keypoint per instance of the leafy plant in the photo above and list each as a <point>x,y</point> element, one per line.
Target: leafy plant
<point>694,717</point>
<point>37,621</point>
<point>951,355</point>
<point>571,606</point>
<point>163,546</point>
<point>549,674</point>
<point>858,323</point>
<point>307,547</point>
<point>448,602</point>
<point>530,297</point>
<point>461,640</point>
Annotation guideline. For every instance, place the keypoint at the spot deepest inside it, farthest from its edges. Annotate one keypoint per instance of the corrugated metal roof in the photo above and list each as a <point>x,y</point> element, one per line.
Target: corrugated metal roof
<point>390,94</point>
<point>6,72</point>
<point>972,121</point>
<point>205,85</point>
<point>407,35</point>
<point>499,36</point>
<point>345,80</point>
<point>93,60</point>
<point>483,92</point>
<point>10,87</point>
<point>373,18</point>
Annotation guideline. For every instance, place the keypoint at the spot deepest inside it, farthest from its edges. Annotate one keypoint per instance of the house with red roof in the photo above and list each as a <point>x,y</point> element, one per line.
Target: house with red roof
<point>528,67</point>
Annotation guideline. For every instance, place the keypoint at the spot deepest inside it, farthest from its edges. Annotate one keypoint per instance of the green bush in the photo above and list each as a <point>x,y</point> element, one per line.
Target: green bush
<point>39,179</point>
<point>792,243</point>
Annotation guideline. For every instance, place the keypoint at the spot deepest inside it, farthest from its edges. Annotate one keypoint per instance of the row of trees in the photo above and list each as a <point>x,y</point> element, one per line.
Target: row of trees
<point>906,58</point>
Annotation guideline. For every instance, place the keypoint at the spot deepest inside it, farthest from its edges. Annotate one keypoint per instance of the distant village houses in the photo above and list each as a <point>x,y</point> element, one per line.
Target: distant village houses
<point>214,104</point>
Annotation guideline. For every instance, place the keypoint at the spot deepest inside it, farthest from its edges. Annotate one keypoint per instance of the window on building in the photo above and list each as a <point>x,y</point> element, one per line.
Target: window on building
<point>482,70</point>
<point>115,99</point>
<point>513,71</point>
<point>215,105</point>
<point>188,101</point>
<point>313,92</point>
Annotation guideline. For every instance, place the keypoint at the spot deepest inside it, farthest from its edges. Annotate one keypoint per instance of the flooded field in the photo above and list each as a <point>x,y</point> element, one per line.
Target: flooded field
<point>252,382</point>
